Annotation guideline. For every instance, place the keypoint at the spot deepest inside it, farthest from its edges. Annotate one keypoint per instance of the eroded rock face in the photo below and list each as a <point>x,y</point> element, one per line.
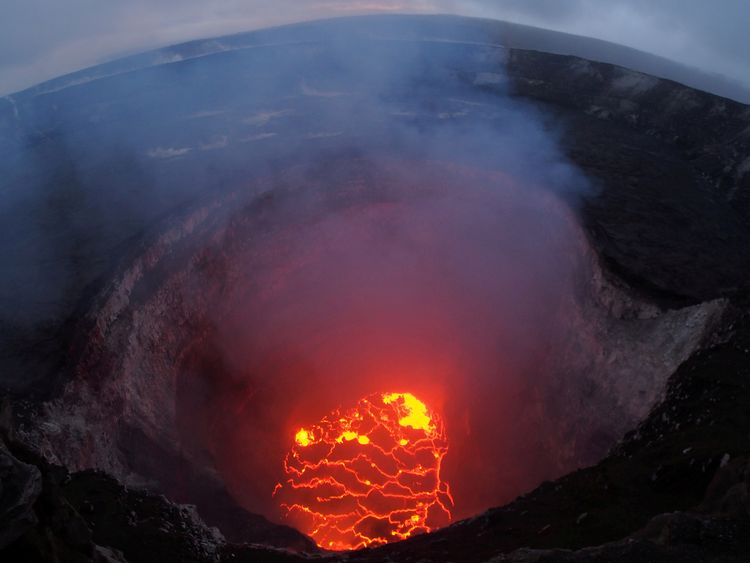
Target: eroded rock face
<point>20,485</point>
<point>90,517</point>
<point>718,529</point>
<point>675,468</point>
<point>602,371</point>
<point>672,165</point>
<point>686,458</point>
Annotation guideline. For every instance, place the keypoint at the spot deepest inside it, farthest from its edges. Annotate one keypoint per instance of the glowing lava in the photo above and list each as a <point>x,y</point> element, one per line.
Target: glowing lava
<point>369,475</point>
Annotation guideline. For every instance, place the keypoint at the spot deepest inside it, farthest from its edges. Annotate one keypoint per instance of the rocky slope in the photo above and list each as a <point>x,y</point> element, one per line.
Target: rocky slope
<point>675,489</point>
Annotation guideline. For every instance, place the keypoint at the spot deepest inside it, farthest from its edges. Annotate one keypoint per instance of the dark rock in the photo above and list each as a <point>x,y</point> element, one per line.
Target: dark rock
<point>145,527</point>
<point>89,517</point>
<point>667,466</point>
<point>20,485</point>
<point>182,482</point>
<point>58,533</point>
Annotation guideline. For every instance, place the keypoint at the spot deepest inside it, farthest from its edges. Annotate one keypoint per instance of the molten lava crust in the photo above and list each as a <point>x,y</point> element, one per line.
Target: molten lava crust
<point>368,475</point>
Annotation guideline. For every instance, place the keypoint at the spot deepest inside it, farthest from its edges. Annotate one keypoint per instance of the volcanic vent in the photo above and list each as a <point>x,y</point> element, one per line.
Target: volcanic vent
<point>368,475</point>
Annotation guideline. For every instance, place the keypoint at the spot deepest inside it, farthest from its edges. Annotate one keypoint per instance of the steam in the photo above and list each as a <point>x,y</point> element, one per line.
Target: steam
<point>453,295</point>
<point>418,235</point>
<point>437,258</point>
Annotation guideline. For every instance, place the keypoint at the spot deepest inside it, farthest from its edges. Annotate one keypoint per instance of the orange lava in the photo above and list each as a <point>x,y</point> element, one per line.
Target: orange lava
<point>369,475</point>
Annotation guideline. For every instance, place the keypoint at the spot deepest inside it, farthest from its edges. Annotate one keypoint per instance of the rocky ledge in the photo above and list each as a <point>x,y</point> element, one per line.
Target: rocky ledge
<point>675,489</point>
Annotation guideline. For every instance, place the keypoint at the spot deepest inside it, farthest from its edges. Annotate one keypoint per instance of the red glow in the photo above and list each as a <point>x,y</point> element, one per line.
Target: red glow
<point>445,282</point>
<point>369,475</point>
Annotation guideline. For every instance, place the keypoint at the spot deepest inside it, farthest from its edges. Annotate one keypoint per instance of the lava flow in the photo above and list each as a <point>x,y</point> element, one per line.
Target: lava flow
<point>369,475</point>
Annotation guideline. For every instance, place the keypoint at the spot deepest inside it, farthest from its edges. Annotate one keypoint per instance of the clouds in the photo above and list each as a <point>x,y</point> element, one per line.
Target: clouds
<point>706,35</point>
<point>41,39</point>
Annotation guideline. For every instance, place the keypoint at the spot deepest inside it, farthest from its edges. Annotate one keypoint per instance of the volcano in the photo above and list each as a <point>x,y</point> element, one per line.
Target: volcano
<point>410,288</point>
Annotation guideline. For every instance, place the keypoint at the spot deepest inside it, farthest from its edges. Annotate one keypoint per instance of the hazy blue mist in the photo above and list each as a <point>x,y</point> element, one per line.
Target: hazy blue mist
<point>41,39</point>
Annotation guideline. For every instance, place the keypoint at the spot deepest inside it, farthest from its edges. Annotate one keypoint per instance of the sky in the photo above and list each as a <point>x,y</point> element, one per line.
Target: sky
<point>42,39</point>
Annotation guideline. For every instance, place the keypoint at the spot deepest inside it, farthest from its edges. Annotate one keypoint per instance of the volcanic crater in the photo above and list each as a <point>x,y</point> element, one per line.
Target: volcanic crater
<point>539,315</point>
